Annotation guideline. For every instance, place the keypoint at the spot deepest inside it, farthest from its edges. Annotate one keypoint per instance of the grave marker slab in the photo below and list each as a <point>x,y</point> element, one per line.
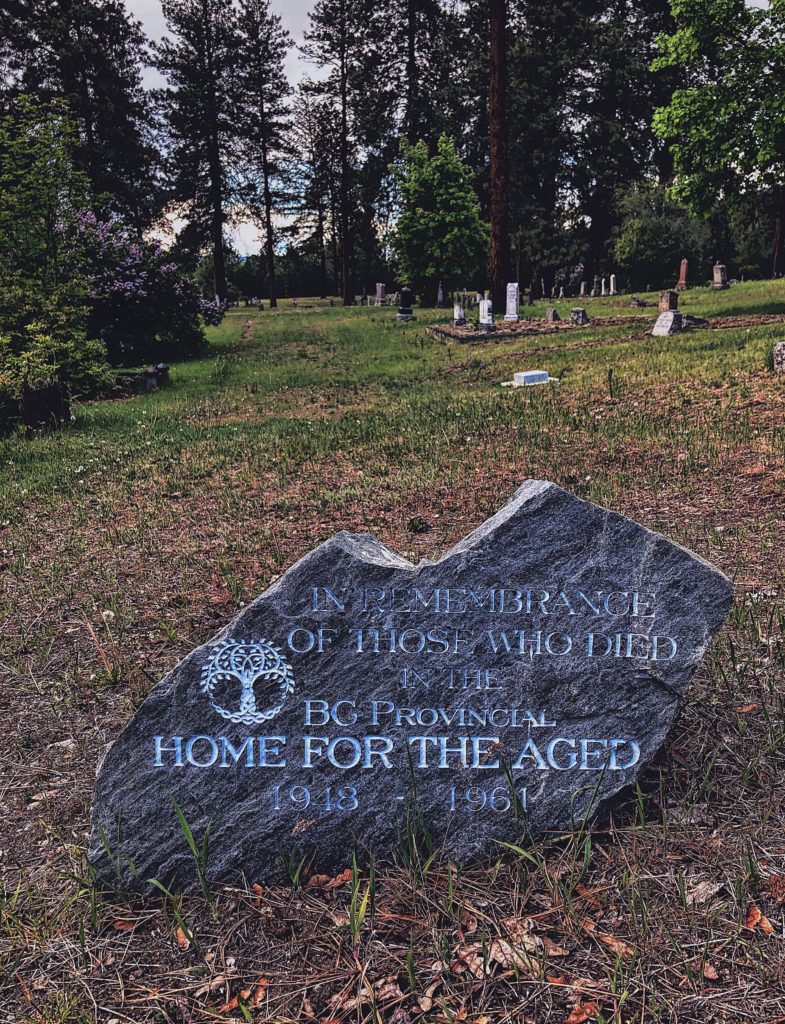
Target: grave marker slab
<point>668,322</point>
<point>531,672</point>
<point>579,316</point>
<point>513,301</point>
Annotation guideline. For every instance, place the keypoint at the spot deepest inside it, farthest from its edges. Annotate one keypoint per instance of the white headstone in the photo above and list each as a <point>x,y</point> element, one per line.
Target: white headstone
<point>613,284</point>
<point>561,292</point>
<point>513,301</point>
<point>486,313</point>
<point>528,377</point>
<point>604,289</point>
<point>458,315</point>
<point>379,293</point>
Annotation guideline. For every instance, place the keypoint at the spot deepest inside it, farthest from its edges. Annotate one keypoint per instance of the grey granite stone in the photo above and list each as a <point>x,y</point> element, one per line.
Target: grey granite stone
<point>779,357</point>
<point>668,323</point>
<point>516,685</point>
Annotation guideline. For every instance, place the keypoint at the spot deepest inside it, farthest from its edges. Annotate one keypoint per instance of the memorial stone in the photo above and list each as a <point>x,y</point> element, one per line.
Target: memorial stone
<point>561,292</point>
<point>552,315</point>
<point>579,316</point>
<point>603,290</point>
<point>515,686</point>
<point>486,316</point>
<point>513,301</point>
<point>668,301</point>
<point>440,303</point>
<point>613,284</point>
<point>405,309</point>
<point>720,278</point>
<point>595,288</point>
<point>779,357</point>
<point>458,315</point>
<point>379,294</point>
<point>668,322</point>
<point>682,282</point>
<point>583,289</point>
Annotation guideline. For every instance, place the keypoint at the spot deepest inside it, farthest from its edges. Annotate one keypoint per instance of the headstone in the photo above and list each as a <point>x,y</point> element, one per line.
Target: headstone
<point>779,357</point>
<point>720,278</point>
<point>669,322</point>
<point>561,292</point>
<point>603,290</point>
<point>458,315</point>
<point>380,293</point>
<point>595,288</point>
<point>486,316</point>
<point>552,315</point>
<point>513,301</point>
<point>668,300</point>
<point>579,316</point>
<point>613,284</point>
<point>682,282</point>
<point>583,289</point>
<point>440,303</point>
<point>519,683</point>
<point>405,313</point>
<point>526,378</point>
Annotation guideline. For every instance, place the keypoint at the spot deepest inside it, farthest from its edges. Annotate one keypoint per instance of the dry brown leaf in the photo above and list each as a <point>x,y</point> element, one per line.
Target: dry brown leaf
<point>388,988</point>
<point>618,946</point>
<point>469,958</point>
<point>259,990</point>
<point>318,881</point>
<point>520,955</point>
<point>703,892</point>
<point>244,994</point>
<point>425,1002</point>
<point>775,887</point>
<point>746,709</point>
<point>120,925</point>
<point>552,949</point>
<point>345,876</point>
<point>582,1012</point>
<point>710,972</point>
<point>765,925</point>
<point>753,918</point>
<point>588,897</point>
<point>182,939</point>
<point>217,982</point>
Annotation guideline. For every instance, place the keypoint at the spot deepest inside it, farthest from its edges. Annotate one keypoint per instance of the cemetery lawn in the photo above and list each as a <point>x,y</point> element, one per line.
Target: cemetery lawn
<point>135,535</point>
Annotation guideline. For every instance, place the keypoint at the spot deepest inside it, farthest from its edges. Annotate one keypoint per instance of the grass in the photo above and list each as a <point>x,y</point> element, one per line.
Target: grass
<point>133,536</point>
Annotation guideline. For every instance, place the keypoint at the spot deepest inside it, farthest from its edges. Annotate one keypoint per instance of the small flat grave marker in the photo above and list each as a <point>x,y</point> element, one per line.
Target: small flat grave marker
<point>525,378</point>
<point>516,685</point>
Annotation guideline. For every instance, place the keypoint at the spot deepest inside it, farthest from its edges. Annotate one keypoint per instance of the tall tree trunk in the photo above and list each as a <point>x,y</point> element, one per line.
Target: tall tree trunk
<point>322,250</point>
<point>334,241</point>
<point>411,72</point>
<point>777,258</point>
<point>214,170</point>
<point>346,284</point>
<point>268,214</point>
<point>500,233</point>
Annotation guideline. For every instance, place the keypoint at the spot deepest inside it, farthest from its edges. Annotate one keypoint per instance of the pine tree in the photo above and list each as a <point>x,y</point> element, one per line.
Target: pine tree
<point>199,110</point>
<point>262,90</point>
<point>500,230</point>
<point>90,53</point>
<point>340,40</point>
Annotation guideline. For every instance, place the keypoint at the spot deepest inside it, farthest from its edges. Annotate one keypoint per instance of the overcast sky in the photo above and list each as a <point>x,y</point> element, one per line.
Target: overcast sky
<point>294,15</point>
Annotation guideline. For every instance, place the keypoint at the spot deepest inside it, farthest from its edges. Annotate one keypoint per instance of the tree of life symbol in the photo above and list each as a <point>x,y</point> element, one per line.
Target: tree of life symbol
<point>248,663</point>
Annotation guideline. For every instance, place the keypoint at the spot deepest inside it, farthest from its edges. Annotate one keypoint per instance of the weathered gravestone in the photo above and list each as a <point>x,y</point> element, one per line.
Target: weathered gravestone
<point>668,301</point>
<point>681,284</point>
<point>668,322</point>
<point>517,684</point>
<point>552,315</point>
<point>405,312</point>
<point>513,301</point>
<point>579,316</point>
<point>458,314</point>
<point>778,359</point>
<point>719,277</point>
<point>486,316</point>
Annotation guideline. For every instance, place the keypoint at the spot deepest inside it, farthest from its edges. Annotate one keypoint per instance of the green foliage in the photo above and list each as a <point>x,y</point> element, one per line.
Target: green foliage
<point>655,234</point>
<point>439,234</point>
<point>43,306</point>
<point>725,125</point>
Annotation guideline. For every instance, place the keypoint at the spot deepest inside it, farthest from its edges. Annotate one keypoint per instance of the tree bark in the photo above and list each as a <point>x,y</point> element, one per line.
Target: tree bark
<point>268,211</point>
<point>214,171</point>
<point>500,235</point>
<point>346,285</point>
<point>777,257</point>
<point>411,72</point>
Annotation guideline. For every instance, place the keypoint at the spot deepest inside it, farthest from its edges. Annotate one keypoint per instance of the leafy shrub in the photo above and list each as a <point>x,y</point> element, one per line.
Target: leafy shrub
<point>141,305</point>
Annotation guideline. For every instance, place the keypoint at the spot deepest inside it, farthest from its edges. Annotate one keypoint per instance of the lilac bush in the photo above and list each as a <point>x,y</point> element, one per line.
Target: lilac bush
<point>141,305</point>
